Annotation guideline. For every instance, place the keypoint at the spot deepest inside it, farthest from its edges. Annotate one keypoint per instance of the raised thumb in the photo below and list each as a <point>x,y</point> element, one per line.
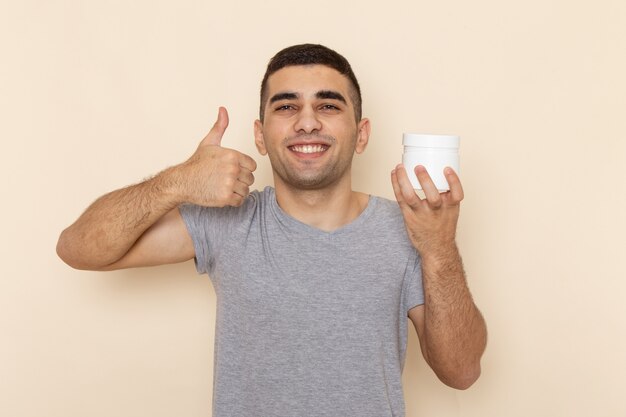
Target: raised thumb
<point>214,137</point>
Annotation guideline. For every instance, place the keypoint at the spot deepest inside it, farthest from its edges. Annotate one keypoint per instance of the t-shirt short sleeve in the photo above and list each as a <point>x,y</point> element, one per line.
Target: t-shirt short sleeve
<point>195,219</point>
<point>211,228</point>
<point>413,287</point>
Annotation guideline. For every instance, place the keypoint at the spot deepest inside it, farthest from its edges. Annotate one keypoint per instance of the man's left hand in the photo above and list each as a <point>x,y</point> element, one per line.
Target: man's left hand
<point>431,222</point>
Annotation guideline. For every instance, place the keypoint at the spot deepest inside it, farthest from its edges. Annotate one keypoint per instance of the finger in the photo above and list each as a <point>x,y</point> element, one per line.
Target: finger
<point>241,189</point>
<point>396,187</point>
<point>246,177</point>
<point>236,200</point>
<point>456,189</point>
<point>430,189</point>
<point>214,137</point>
<point>406,188</point>
<point>247,162</point>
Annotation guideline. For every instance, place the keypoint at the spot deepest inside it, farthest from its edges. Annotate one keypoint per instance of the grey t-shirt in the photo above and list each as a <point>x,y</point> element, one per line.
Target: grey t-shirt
<point>309,323</point>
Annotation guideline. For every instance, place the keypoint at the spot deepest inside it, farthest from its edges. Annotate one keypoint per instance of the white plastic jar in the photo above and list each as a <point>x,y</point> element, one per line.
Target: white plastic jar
<point>435,152</point>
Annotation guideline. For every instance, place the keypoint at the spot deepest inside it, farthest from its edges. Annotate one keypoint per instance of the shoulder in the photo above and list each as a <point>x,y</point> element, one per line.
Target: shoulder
<point>253,202</point>
<point>385,208</point>
<point>387,220</point>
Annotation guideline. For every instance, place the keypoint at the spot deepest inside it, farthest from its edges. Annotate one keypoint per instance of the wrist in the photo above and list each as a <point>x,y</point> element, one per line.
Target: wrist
<point>442,264</point>
<point>438,251</point>
<point>168,186</point>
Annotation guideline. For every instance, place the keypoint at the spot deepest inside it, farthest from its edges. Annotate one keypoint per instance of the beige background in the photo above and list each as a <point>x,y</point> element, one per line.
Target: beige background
<point>95,95</point>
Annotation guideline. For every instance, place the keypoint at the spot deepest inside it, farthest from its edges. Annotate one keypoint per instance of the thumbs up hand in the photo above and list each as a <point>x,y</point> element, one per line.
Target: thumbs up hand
<point>215,176</point>
<point>214,137</point>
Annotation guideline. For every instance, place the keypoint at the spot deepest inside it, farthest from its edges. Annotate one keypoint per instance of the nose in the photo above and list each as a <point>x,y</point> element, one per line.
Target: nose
<point>307,121</point>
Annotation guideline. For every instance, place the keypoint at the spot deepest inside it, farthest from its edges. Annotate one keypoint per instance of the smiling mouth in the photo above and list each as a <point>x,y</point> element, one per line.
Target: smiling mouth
<point>307,149</point>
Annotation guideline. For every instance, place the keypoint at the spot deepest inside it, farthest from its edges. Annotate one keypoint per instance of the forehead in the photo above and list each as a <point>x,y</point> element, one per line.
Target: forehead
<point>307,80</point>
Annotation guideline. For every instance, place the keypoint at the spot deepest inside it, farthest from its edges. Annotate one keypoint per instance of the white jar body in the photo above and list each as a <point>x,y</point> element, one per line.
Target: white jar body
<point>435,159</point>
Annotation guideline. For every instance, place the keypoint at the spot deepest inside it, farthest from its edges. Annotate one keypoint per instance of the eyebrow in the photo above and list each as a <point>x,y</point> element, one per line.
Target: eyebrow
<point>283,96</point>
<point>330,95</point>
<point>322,94</point>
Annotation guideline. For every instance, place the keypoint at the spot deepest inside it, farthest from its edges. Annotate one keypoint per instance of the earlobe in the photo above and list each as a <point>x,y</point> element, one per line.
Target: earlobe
<point>363,136</point>
<point>258,137</point>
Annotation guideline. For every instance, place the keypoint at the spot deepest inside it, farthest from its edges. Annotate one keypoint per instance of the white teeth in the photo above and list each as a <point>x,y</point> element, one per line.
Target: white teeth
<point>308,148</point>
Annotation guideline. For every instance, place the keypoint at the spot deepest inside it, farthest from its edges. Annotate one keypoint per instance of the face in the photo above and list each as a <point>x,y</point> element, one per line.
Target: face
<point>309,130</point>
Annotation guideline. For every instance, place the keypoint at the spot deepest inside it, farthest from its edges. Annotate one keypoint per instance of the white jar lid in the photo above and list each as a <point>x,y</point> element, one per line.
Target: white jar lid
<point>430,141</point>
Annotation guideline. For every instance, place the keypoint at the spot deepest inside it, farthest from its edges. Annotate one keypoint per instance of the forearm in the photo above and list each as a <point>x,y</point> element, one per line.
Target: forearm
<point>454,330</point>
<point>112,224</point>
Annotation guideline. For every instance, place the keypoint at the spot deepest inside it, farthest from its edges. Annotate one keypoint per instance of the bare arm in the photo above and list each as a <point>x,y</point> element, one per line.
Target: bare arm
<point>140,225</point>
<point>110,233</point>
<point>451,330</point>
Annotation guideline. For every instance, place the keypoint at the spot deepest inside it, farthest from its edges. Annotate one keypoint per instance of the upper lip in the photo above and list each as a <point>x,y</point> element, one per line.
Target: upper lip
<point>309,140</point>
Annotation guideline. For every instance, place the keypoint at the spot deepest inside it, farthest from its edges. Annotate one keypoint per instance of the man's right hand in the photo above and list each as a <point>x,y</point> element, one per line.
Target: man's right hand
<point>215,176</point>
<point>140,225</point>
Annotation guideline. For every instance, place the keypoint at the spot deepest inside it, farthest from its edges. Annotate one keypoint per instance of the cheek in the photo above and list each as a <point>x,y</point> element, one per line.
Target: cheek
<point>272,141</point>
<point>273,132</point>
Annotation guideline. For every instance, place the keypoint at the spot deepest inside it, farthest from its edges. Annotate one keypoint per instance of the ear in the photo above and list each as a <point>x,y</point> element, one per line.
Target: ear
<point>258,137</point>
<point>363,136</point>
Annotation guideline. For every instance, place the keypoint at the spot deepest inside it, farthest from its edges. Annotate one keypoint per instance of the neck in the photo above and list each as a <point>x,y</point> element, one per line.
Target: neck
<point>326,209</point>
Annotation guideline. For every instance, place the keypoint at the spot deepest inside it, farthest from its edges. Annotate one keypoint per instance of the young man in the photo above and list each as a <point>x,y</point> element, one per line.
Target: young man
<point>315,283</point>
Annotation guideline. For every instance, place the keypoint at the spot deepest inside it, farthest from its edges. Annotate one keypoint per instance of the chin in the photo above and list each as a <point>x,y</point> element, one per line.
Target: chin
<point>308,183</point>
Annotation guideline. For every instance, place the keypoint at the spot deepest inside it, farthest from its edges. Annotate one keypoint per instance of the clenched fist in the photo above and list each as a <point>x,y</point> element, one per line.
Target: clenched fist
<point>215,176</point>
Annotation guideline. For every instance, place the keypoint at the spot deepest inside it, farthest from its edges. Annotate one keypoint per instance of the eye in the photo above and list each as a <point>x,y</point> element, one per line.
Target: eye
<point>284,107</point>
<point>329,107</point>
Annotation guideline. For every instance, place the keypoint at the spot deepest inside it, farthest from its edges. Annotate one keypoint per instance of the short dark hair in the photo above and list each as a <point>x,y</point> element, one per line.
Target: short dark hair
<point>311,54</point>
